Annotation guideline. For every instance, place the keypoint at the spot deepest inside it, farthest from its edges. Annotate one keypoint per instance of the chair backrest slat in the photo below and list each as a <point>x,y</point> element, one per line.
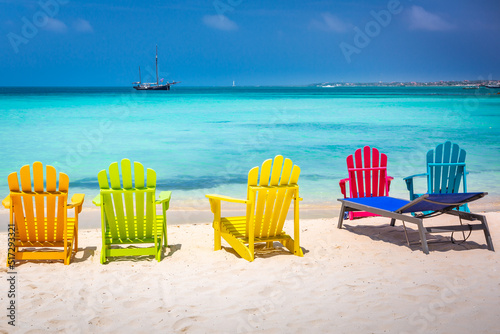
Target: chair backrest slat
<point>276,171</point>
<point>368,173</point>
<point>127,174</point>
<point>352,177</point>
<point>280,197</point>
<point>376,185</point>
<point>139,197</point>
<point>253,179</point>
<point>460,172</point>
<point>128,198</point>
<point>287,171</point>
<point>445,176</point>
<point>51,185</point>
<point>267,226</point>
<point>114,178</point>
<point>39,201</point>
<point>436,178</point>
<point>107,202</point>
<point>383,191</point>
<point>261,196</point>
<point>29,213</point>
<point>61,206</point>
<point>17,207</point>
<point>150,200</point>
<point>450,183</point>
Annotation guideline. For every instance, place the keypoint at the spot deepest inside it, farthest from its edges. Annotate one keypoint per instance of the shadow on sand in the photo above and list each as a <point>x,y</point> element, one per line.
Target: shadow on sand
<point>171,250</point>
<point>396,235</point>
<point>261,251</point>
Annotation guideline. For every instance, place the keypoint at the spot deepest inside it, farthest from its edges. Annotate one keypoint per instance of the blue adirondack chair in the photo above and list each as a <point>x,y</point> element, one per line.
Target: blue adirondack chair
<point>446,173</point>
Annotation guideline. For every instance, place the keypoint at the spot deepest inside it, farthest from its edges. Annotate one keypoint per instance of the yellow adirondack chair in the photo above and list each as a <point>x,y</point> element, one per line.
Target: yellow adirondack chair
<point>39,215</point>
<point>267,204</point>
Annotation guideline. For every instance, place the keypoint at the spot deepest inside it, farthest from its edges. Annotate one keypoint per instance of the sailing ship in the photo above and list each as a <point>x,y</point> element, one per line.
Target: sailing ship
<point>151,85</point>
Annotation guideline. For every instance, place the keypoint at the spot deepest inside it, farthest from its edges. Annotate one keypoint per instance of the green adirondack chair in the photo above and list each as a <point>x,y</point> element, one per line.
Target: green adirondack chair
<point>128,212</point>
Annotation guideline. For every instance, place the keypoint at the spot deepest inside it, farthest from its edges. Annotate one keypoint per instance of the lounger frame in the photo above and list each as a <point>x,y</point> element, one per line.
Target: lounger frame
<point>348,205</point>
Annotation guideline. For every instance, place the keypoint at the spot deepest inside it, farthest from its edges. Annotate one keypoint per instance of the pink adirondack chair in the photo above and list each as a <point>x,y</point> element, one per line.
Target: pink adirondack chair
<point>367,177</point>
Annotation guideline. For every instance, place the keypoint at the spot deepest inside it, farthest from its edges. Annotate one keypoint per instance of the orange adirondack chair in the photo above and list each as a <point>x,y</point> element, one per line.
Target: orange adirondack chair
<point>39,215</point>
<point>367,170</point>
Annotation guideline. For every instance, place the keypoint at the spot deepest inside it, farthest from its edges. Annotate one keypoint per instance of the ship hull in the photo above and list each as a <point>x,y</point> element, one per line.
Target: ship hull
<point>159,87</point>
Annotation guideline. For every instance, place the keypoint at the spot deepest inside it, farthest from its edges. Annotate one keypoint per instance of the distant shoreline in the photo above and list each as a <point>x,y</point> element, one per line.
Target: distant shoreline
<point>463,83</point>
<point>449,83</point>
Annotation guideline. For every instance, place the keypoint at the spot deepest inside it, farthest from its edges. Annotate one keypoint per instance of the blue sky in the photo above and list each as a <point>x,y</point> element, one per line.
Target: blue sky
<point>254,42</point>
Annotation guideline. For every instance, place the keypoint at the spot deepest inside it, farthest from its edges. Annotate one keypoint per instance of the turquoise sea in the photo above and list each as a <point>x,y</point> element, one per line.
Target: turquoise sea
<point>205,140</point>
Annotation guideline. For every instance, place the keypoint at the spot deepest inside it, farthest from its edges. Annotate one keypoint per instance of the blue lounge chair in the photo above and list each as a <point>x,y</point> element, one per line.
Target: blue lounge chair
<point>446,172</point>
<point>436,204</point>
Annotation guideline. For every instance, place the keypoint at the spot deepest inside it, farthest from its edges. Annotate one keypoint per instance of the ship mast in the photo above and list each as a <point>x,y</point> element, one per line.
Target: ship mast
<point>140,80</point>
<point>157,65</point>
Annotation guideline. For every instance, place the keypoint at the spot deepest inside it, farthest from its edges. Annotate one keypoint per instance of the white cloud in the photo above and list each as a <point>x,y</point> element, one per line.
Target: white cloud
<point>330,22</point>
<point>420,19</point>
<point>82,25</point>
<point>55,25</point>
<point>219,22</point>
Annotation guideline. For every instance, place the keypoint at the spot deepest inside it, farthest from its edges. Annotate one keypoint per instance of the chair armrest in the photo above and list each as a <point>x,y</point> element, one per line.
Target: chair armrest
<point>164,200</point>
<point>215,204</point>
<point>164,197</point>
<point>227,199</point>
<point>342,184</point>
<point>412,176</point>
<point>6,202</point>
<point>409,183</point>
<point>76,202</point>
<point>97,200</point>
<point>388,181</point>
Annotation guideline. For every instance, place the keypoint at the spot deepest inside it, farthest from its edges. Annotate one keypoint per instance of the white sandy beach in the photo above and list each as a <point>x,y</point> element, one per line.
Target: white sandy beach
<point>360,279</point>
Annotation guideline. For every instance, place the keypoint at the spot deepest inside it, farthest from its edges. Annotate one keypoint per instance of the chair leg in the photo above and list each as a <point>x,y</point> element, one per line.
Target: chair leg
<point>293,246</point>
<point>487,235</point>
<point>103,254</point>
<point>482,219</point>
<point>217,237</point>
<point>406,234</point>
<point>341,216</point>
<point>75,241</point>
<point>251,250</point>
<point>165,231</point>
<point>165,243</point>
<point>67,255</point>
<point>421,231</point>
<point>159,251</point>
